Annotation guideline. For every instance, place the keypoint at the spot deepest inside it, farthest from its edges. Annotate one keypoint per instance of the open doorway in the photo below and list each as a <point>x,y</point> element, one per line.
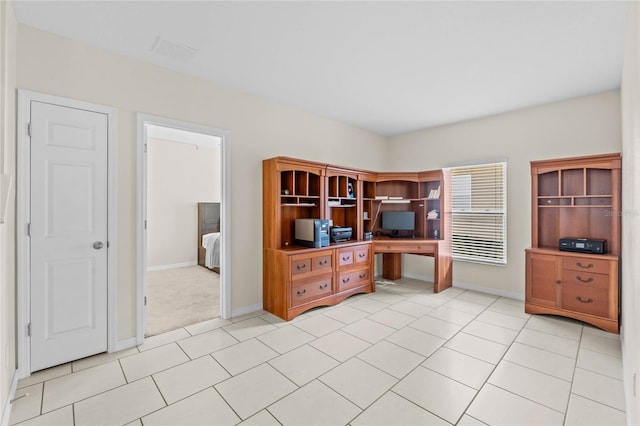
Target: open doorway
<point>182,251</point>
<point>183,191</point>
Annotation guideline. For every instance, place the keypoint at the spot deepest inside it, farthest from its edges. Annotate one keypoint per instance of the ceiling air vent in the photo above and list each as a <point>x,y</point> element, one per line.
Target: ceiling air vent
<point>173,50</point>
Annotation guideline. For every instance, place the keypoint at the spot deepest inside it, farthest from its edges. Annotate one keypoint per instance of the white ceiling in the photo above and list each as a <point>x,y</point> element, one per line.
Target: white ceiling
<point>388,67</point>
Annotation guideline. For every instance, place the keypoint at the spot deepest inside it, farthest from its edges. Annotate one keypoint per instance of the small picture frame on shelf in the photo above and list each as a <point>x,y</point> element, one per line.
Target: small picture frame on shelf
<point>350,192</point>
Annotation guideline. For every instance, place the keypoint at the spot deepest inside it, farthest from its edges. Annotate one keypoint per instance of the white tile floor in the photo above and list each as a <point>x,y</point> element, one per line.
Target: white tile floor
<point>402,355</point>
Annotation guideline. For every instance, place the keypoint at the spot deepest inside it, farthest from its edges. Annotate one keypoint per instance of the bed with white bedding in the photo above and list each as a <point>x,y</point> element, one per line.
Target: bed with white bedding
<point>211,244</point>
<point>209,236</point>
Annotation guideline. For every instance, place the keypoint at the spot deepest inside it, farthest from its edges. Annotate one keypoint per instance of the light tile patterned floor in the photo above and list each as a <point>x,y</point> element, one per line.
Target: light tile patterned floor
<point>402,355</point>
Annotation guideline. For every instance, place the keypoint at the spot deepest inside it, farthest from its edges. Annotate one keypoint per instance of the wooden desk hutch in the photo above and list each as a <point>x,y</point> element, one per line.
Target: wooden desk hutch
<point>575,197</point>
<point>296,278</point>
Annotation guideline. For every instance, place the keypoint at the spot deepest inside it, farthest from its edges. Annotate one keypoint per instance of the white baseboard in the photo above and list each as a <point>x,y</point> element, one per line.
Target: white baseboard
<point>246,310</point>
<point>173,266</point>
<point>125,344</point>
<point>489,290</point>
<point>473,287</point>
<point>6,412</point>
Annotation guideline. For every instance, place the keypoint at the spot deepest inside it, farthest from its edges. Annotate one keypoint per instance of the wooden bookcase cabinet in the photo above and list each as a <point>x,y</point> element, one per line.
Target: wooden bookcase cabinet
<point>296,279</point>
<point>575,197</point>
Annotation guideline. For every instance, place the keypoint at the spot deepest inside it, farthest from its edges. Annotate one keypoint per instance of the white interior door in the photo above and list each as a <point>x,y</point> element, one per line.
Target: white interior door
<point>68,259</point>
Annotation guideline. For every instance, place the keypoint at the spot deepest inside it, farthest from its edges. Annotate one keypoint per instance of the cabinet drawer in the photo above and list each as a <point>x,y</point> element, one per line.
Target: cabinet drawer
<point>300,266</point>
<point>311,262</point>
<point>345,257</point>
<point>405,246</point>
<point>310,289</point>
<point>362,254</point>
<point>586,264</point>
<point>587,300</point>
<point>585,279</point>
<point>353,279</point>
<point>321,262</point>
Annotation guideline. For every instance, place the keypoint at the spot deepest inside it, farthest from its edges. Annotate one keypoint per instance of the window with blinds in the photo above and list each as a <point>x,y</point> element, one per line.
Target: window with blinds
<point>479,213</point>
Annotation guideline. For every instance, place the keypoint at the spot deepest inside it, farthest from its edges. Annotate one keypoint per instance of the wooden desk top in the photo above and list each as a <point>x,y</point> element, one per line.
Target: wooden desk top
<point>405,245</point>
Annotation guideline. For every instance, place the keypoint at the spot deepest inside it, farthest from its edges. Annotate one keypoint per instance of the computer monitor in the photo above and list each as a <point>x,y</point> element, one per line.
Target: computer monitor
<point>399,221</point>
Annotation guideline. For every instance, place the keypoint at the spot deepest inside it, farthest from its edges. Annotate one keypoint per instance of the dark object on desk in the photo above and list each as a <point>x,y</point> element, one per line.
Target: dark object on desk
<point>396,221</point>
<point>340,234</point>
<point>583,245</point>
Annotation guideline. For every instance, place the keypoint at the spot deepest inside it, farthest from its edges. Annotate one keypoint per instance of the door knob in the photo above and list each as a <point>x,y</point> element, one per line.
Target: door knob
<point>98,245</point>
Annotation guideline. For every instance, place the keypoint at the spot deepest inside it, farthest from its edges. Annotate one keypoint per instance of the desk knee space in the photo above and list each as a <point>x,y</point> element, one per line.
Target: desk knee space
<point>392,260</point>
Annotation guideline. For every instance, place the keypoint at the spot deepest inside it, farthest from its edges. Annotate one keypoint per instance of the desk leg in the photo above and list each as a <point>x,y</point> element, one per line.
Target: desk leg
<point>443,277</point>
<point>392,266</point>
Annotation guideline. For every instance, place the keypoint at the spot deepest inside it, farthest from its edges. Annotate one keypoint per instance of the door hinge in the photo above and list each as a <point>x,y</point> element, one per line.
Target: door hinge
<point>145,224</point>
<point>145,148</point>
<point>29,329</point>
<point>145,301</point>
<point>28,229</point>
<point>29,129</point>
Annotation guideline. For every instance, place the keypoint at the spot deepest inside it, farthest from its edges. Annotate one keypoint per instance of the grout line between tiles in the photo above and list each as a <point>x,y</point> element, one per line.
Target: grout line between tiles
<point>417,405</point>
<point>271,414</point>
<point>42,398</point>
<point>153,379</point>
<point>598,402</point>
<point>492,371</point>
<point>228,405</point>
<point>573,376</point>
<point>527,398</point>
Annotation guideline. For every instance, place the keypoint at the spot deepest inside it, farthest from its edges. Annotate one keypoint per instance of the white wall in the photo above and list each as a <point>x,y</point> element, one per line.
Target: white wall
<point>630,333</point>
<point>583,126</point>
<point>259,129</point>
<point>8,37</point>
<point>179,176</point>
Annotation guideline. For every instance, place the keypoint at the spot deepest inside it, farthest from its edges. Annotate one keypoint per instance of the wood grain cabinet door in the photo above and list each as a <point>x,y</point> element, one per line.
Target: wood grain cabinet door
<point>543,279</point>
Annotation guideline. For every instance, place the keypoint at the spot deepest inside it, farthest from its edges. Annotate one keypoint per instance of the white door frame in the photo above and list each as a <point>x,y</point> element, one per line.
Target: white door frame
<point>23,195</point>
<point>141,201</point>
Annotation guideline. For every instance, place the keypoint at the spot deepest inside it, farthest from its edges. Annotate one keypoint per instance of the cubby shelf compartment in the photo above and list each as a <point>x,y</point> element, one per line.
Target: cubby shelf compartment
<point>299,183</point>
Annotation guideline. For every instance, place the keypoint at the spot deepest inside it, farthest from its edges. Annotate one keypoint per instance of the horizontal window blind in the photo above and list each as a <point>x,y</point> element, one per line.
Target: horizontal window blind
<point>479,213</point>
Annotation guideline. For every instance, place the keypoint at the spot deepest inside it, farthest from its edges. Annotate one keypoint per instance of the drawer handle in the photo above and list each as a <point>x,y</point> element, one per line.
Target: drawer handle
<point>361,276</point>
<point>345,258</point>
<point>303,266</point>
<point>558,282</point>
<point>323,262</point>
<point>345,280</point>
<point>362,255</point>
<point>300,293</point>
<point>580,265</point>
<point>323,286</point>
<point>579,299</point>
<point>582,280</point>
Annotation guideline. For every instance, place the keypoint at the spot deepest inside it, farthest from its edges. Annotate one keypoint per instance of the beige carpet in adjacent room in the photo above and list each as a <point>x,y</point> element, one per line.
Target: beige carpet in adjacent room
<point>181,296</point>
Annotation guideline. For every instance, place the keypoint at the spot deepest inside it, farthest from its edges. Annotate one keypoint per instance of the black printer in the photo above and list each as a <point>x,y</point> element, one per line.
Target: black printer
<point>339,234</point>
